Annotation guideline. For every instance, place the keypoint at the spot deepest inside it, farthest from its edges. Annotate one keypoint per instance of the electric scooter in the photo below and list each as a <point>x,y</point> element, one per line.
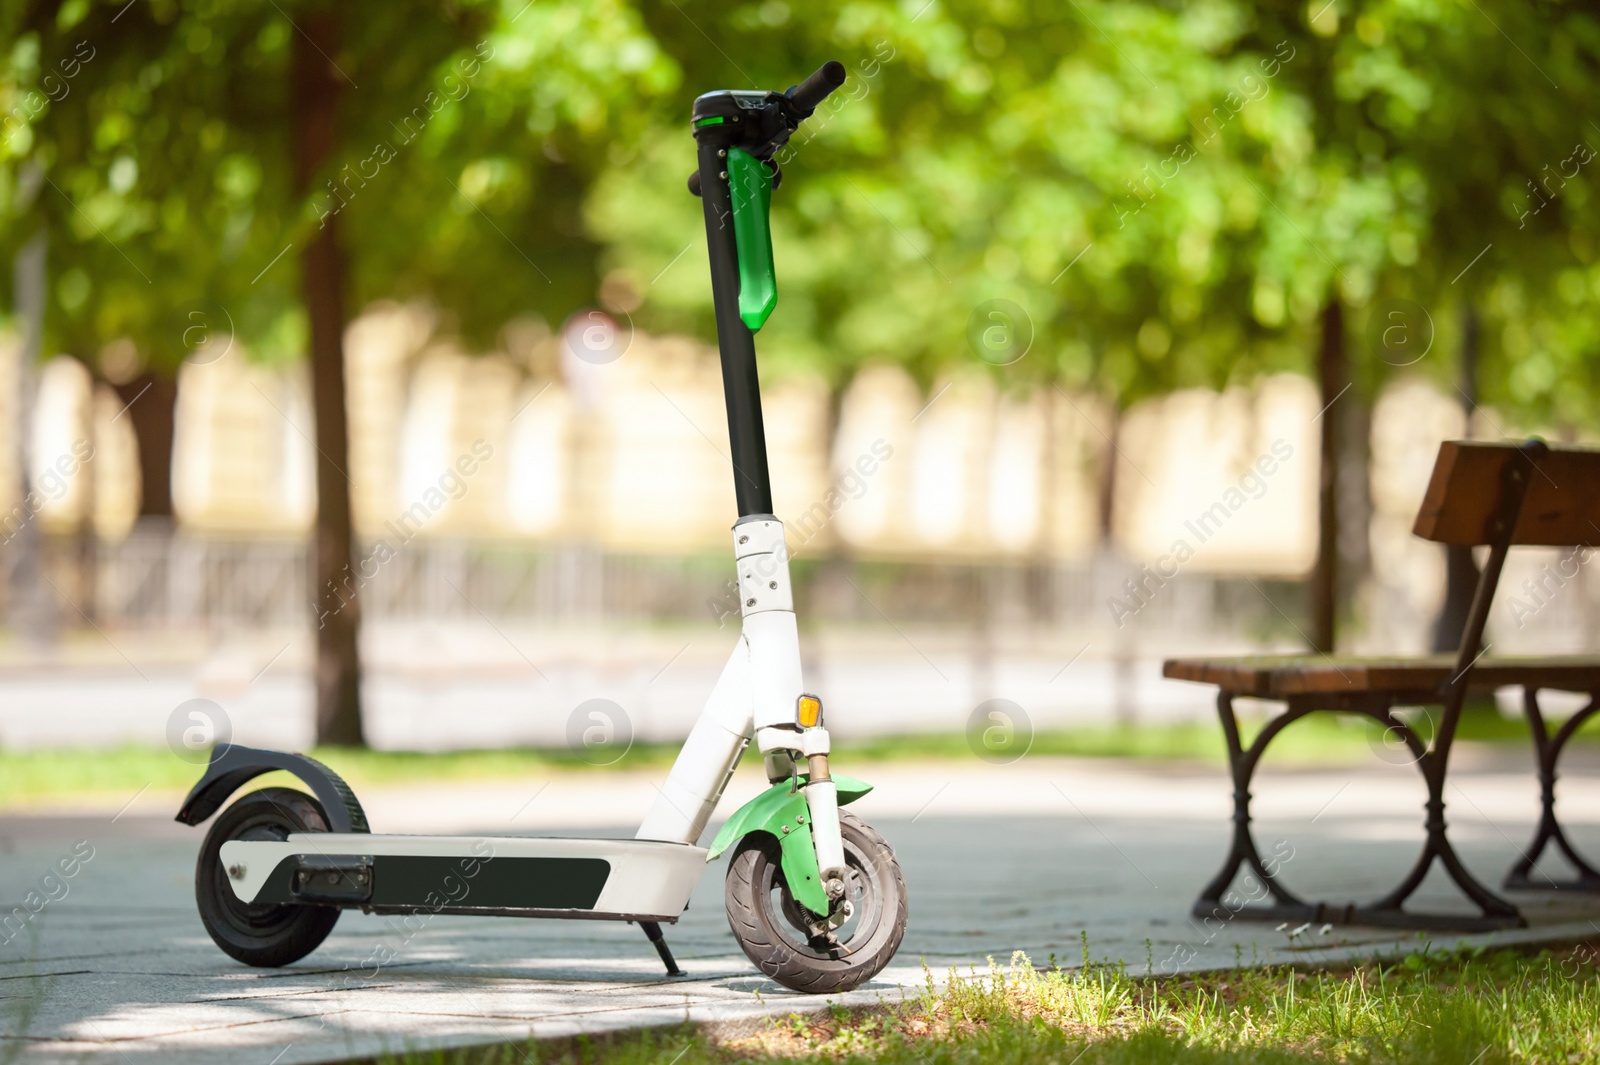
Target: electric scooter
<point>815,897</point>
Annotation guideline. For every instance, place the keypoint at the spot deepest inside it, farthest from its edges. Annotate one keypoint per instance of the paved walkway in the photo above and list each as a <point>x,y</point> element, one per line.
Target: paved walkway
<point>1030,857</point>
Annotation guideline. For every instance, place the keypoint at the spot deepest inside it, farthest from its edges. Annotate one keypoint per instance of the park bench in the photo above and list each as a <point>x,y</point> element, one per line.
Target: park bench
<point>1497,495</point>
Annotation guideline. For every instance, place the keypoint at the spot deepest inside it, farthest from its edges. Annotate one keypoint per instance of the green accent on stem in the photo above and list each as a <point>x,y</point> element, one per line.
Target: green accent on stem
<point>779,806</point>
<point>750,187</point>
<point>714,120</point>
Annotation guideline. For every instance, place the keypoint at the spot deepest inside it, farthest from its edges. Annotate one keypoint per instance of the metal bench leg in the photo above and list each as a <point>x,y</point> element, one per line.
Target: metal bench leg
<point>1495,912</point>
<point>1286,906</point>
<point>1547,752</point>
<point>1387,912</point>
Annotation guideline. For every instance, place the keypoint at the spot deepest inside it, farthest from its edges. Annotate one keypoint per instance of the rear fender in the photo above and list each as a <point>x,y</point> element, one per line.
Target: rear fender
<point>232,767</point>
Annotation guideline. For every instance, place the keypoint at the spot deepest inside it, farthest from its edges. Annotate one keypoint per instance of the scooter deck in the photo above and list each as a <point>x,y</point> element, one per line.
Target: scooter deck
<point>512,876</point>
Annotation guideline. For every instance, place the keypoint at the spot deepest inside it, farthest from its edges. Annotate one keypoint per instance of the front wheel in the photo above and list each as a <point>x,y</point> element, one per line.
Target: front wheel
<point>780,936</point>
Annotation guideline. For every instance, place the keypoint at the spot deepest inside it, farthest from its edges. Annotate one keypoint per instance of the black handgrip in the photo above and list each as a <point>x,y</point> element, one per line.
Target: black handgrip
<point>815,89</point>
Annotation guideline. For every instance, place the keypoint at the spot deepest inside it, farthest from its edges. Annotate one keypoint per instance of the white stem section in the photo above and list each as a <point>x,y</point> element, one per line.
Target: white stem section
<point>708,758</point>
<point>775,678</point>
<point>767,600</point>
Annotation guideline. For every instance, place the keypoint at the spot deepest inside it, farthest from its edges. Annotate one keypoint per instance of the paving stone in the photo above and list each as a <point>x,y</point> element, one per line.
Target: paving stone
<point>1042,857</point>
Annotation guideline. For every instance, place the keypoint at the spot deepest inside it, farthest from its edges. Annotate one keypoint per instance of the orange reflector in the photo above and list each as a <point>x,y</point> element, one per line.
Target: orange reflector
<point>810,711</point>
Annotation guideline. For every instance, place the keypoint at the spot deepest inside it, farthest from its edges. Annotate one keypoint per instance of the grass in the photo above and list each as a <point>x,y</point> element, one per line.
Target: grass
<point>1323,739</point>
<point>1471,1007</point>
<point>33,775</point>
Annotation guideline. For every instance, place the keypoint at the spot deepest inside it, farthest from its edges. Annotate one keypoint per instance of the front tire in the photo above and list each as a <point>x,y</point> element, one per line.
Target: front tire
<point>270,934</point>
<point>772,928</point>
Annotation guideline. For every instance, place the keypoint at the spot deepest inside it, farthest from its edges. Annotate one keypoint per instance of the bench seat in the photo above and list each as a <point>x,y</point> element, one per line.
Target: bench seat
<point>1280,676</point>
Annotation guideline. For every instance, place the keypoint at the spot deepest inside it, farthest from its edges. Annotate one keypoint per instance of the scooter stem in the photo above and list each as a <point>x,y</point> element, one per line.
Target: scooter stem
<point>741,391</point>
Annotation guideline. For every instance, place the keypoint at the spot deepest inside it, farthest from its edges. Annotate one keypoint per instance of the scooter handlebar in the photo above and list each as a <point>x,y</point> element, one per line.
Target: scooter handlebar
<point>803,99</point>
<point>815,89</point>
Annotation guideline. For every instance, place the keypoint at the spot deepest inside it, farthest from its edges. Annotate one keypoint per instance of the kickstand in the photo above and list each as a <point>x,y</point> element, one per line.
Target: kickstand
<point>652,930</point>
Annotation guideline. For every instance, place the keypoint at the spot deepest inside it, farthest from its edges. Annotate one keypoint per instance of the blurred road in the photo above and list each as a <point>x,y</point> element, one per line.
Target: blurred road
<point>1039,856</point>
<point>461,685</point>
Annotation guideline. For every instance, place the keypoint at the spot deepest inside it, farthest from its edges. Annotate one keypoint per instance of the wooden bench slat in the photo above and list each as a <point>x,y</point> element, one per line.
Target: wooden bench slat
<point>1275,676</point>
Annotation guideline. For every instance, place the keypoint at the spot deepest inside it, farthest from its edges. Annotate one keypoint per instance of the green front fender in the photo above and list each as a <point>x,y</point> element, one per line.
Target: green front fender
<point>781,812</point>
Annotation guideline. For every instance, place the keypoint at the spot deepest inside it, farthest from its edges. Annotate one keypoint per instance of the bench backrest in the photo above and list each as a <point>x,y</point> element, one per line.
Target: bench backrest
<point>1466,496</point>
<point>1500,495</point>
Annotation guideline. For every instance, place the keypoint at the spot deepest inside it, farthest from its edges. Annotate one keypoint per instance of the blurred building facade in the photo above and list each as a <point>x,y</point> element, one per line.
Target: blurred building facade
<point>556,449</point>
<point>630,454</point>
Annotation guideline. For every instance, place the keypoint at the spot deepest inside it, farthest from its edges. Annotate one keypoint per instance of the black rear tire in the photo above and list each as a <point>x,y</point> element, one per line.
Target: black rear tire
<point>771,927</point>
<point>270,934</point>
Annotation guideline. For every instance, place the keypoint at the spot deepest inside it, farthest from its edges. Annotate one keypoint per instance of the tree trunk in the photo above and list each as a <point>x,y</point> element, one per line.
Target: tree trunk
<point>1461,572</point>
<point>1355,498</point>
<point>32,606</point>
<point>316,92</point>
<point>1106,496</point>
<point>1044,572</point>
<point>1107,560</point>
<point>151,401</point>
<point>1332,377</point>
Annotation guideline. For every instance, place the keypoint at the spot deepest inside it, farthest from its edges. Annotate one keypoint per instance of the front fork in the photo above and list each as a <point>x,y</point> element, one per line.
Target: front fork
<point>759,695</point>
<point>822,801</point>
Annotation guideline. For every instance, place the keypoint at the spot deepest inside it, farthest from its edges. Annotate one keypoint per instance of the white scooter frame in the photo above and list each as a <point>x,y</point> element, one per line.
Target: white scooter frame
<point>648,878</point>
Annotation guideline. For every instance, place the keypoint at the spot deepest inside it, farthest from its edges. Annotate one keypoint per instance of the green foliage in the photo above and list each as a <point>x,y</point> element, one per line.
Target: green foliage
<point>492,194</point>
<point>1169,192</point>
<point>1447,118</point>
<point>1100,180</point>
<point>1224,169</point>
<point>163,158</point>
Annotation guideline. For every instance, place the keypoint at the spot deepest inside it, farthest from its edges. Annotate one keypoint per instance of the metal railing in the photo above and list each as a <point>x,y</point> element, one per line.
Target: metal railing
<point>159,578</point>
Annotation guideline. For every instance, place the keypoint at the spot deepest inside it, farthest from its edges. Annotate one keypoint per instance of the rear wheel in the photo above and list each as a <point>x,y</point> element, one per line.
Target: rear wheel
<point>270,934</point>
<point>782,937</point>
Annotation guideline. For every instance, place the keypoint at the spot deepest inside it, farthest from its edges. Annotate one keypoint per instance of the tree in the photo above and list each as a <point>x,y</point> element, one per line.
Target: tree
<point>212,140</point>
<point>1431,95</point>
